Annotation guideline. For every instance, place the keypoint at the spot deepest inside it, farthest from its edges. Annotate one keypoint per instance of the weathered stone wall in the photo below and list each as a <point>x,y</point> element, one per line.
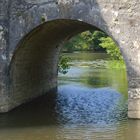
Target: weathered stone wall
<point>4,42</point>
<point>119,19</point>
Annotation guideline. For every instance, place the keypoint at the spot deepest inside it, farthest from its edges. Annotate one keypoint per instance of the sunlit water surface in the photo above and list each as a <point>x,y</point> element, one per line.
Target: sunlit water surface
<point>90,104</point>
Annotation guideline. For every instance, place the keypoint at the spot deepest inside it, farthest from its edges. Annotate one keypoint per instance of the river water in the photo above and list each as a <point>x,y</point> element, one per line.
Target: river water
<point>90,104</point>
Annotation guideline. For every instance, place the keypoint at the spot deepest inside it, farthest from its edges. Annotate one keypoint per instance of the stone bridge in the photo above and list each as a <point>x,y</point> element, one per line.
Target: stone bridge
<point>32,32</point>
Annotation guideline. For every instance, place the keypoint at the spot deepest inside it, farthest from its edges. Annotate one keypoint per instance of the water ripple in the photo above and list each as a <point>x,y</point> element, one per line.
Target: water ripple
<point>82,105</point>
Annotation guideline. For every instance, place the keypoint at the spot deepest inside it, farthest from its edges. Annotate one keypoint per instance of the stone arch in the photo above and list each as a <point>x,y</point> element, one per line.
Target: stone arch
<point>33,68</point>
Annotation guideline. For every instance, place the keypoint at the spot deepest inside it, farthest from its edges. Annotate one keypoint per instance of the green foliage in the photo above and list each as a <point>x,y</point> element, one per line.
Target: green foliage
<point>95,40</point>
<point>111,48</point>
<point>63,64</point>
<point>77,43</point>
<point>85,41</point>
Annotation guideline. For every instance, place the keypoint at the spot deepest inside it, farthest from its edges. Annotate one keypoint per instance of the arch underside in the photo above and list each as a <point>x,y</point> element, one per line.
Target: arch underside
<point>33,69</point>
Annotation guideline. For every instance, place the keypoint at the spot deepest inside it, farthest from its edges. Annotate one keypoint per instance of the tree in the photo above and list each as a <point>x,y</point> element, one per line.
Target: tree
<point>95,40</point>
<point>77,43</point>
<point>111,48</point>
<point>84,41</point>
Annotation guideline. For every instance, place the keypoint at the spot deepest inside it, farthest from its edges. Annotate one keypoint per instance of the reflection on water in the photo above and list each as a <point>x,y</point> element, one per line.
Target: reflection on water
<point>91,104</point>
<point>81,105</point>
<point>92,70</point>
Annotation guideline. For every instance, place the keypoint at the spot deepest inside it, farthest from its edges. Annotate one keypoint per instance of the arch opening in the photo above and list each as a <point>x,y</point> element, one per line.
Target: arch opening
<point>33,69</point>
<point>92,59</point>
<point>91,79</point>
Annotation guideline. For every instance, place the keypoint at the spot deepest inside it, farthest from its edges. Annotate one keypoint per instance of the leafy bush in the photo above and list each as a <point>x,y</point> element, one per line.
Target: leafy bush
<point>63,64</point>
<point>111,48</point>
